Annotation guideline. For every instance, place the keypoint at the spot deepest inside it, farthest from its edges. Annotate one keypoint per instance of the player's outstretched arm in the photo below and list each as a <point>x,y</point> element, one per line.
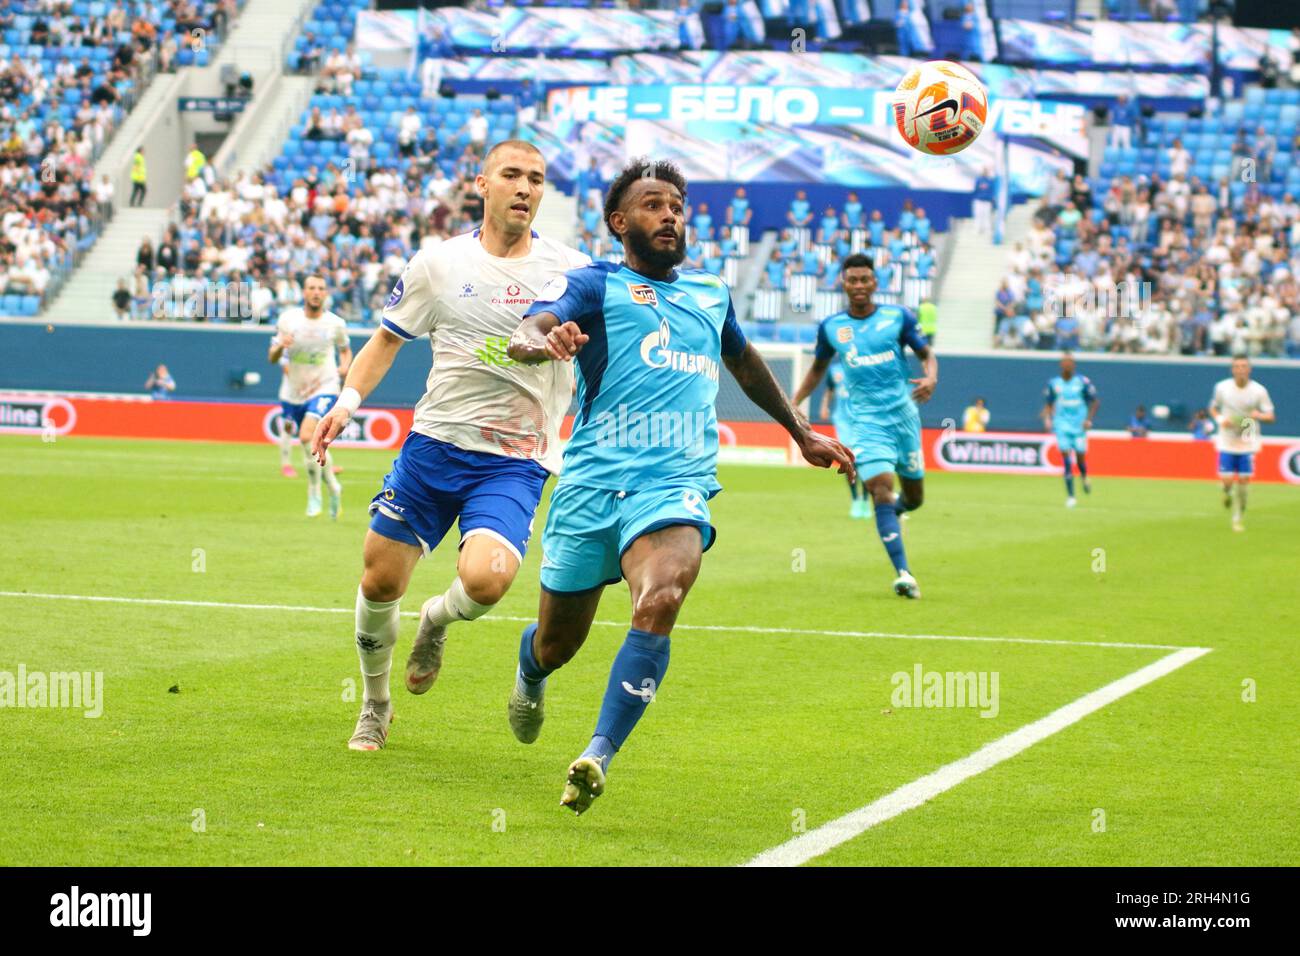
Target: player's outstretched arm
<point>543,337</point>
<point>756,380</point>
<point>365,372</point>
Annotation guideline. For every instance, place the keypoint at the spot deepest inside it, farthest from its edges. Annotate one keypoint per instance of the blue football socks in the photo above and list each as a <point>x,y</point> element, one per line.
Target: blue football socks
<point>531,678</point>
<point>634,678</point>
<point>891,535</point>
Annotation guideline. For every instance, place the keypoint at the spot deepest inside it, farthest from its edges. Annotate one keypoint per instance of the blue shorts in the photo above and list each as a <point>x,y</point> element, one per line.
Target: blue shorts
<point>1237,463</point>
<point>433,483</point>
<point>1076,441</point>
<point>589,529</point>
<point>889,443</point>
<point>317,407</point>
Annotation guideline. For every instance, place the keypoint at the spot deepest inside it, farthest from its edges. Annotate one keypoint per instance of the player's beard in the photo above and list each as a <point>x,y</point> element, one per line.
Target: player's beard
<point>640,244</point>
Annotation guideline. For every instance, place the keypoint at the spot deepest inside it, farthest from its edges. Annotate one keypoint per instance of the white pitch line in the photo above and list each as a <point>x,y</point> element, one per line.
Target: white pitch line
<point>826,837</point>
<point>721,628</point>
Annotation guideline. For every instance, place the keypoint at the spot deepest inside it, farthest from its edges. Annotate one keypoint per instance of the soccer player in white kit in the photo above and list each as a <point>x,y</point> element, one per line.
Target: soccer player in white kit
<point>485,436</point>
<point>1240,406</point>
<point>309,337</point>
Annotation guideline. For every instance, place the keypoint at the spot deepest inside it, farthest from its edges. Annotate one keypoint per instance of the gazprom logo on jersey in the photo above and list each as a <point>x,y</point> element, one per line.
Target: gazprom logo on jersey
<point>991,451</point>
<point>656,353</point>
<point>1289,463</point>
<point>855,360</point>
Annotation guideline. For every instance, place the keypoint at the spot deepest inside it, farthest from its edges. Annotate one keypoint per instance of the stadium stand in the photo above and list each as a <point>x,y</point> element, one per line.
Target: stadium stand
<point>381,160</point>
<point>1198,227</point>
<point>69,73</point>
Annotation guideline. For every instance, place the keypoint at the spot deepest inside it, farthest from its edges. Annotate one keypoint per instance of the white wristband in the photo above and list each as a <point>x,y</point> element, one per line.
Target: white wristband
<point>350,399</point>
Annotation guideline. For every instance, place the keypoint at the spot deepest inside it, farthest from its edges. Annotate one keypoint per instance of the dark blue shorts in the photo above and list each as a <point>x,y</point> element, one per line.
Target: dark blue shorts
<point>433,483</point>
<point>1236,463</point>
<point>318,407</point>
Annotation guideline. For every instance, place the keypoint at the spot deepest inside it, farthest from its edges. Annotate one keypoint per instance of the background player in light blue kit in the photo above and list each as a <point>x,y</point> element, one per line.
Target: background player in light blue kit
<point>834,407</point>
<point>1070,404</point>
<point>632,499</point>
<point>881,423</point>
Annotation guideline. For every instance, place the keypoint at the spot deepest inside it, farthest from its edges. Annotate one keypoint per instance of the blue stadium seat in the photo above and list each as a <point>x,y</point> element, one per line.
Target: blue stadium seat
<point>29,305</point>
<point>10,304</point>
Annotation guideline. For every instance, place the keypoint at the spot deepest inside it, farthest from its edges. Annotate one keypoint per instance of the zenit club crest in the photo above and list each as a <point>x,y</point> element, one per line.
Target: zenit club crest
<point>643,295</point>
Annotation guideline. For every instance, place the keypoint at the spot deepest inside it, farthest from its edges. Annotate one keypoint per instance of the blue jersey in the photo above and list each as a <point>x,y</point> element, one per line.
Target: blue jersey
<point>1069,401</point>
<point>871,351</point>
<point>647,377</point>
<point>838,383</point>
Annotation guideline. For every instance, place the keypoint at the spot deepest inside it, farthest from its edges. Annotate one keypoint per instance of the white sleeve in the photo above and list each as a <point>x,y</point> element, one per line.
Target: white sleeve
<point>1215,405</point>
<point>341,334</point>
<point>1265,403</point>
<point>410,311</point>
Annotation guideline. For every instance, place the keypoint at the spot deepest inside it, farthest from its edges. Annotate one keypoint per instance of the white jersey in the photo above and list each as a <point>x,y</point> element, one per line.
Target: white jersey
<point>469,303</point>
<point>1237,403</point>
<point>313,367</point>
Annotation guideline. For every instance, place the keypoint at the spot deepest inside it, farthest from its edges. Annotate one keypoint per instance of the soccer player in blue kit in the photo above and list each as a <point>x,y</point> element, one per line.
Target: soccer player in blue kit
<point>632,499</point>
<point>881,423</point>
<point>1070,404</point>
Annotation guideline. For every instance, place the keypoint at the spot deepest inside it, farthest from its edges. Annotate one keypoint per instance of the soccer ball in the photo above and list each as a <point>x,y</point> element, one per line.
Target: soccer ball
<point>940,107</point>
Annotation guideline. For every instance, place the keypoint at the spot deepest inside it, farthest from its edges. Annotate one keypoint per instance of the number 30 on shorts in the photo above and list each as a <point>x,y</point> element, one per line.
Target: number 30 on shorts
<point>691,501</point>
<point>914,461</point>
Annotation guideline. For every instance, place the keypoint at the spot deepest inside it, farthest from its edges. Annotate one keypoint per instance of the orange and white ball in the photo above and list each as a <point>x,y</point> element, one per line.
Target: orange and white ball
<point>940,108</point>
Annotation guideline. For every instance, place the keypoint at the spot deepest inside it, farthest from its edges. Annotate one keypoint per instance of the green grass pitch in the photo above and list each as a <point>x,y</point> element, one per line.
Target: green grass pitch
<point>753,735</point>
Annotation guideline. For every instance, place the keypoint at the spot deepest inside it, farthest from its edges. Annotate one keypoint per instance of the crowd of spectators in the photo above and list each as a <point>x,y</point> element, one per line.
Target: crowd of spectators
<point>72,72</point>
<point>1156,265</point>
<point>242,245</point>
<point>814,246</point>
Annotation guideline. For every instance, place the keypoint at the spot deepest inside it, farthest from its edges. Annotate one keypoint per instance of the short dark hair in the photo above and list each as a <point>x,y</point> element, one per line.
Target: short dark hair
<point>642,167</point>
<point>511,144</point>
<point>857,260</point>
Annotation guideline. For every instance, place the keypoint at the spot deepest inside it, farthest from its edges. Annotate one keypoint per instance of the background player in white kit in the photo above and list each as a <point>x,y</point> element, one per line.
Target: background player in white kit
<point>1240,406</point>
<point>309,337</point>
<point>485,436</point>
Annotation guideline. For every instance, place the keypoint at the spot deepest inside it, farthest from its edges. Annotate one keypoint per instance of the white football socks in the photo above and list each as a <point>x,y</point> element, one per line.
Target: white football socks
<point>1239,508</point>
<point>313,477</point>
<point>328,472</point>
<point>377,623</point>
<point>286,447</point>
<point>455,605</point>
